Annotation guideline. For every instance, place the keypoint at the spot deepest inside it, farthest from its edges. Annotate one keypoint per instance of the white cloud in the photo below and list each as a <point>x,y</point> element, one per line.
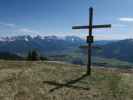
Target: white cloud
<point>25,30</point>
<point>126,19</point>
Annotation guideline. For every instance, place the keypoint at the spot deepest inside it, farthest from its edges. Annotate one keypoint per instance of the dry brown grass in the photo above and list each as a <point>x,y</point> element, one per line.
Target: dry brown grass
<point>21,80</point>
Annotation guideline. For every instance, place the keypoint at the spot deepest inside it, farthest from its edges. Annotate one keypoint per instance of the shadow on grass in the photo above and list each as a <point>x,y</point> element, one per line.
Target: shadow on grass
<point>69,84</point>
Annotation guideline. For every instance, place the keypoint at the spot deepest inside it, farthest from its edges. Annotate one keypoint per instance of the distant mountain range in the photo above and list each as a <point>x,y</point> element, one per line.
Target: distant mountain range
<point>47,45</point>
<point>21,45</point>
<point>122,50</point>
<point>54,45</point>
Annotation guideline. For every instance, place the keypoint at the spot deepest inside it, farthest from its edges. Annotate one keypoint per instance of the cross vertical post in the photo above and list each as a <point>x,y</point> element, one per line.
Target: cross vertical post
<point>89,42</point>
<point>90,38</point>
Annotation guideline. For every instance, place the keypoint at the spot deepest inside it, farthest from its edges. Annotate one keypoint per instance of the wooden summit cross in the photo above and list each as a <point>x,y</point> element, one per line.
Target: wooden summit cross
<point>90,36</point>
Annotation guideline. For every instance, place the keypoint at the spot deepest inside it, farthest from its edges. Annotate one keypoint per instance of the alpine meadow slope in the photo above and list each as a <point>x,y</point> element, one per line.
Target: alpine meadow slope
<point>27,80</point>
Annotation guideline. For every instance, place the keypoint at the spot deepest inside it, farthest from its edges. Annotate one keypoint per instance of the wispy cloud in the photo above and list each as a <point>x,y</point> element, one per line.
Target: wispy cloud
<point>7,24</point>
<point>113,36</point>
<point>119,26</point>
<point>28,31</point>
<point>25,30</point>
<point>126,19</point>
<point>18,30</point>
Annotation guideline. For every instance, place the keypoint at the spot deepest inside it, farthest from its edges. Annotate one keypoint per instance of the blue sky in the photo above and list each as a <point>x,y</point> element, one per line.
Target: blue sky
<point>56,17</point>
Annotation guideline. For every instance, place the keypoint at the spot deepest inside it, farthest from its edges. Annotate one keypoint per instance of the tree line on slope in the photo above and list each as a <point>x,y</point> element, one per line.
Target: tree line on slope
<point>32,55</point>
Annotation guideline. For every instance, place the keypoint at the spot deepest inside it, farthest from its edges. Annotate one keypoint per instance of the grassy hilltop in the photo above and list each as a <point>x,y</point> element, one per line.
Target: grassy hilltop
<point>21,80</point>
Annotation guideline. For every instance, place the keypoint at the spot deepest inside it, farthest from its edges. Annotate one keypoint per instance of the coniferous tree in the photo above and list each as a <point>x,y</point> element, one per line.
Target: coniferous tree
<point>29,56</point>
<point>33,55</point>
<point>43,58</point>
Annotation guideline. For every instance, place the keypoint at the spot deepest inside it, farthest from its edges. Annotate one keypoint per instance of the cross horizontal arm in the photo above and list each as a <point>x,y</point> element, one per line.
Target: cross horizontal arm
<point>102,26</point>
<point>80,27</point>
<point>94,26</point>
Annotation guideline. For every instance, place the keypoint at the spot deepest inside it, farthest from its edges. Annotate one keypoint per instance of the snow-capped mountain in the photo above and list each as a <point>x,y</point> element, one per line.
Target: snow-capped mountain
<point>28,38</point>
<point>47,44</point>
<point>21,45</point>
